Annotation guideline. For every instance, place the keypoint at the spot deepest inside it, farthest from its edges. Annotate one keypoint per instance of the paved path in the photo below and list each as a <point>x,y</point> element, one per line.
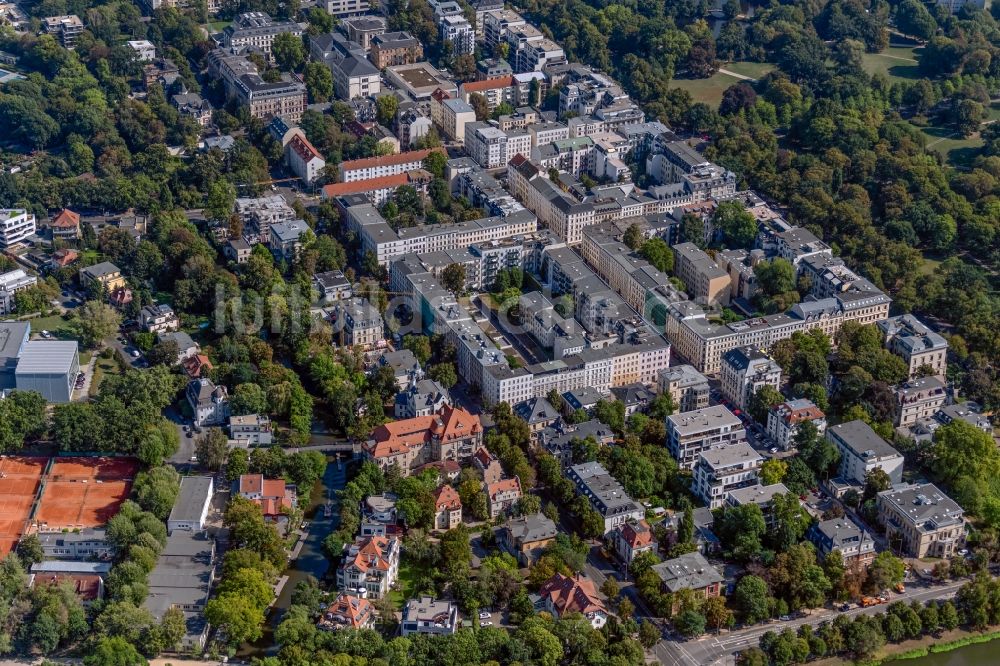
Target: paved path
<point>729,72</point>
<point>894,57</point>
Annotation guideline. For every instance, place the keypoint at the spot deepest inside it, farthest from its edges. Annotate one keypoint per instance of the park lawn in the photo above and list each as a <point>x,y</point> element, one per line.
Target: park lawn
<point>708,91</point>
<point>897,63</point>
<point>957,151</point>
<point>755,70</point>
<point>216,26</point>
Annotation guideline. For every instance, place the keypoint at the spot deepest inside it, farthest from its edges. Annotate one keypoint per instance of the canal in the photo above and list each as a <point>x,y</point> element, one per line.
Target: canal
<point>981,654</point>
<point>311,562</point>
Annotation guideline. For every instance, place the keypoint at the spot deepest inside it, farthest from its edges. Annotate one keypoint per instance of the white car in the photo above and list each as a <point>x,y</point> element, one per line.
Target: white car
<point>484,616</point>
<point>135,353</point>
<point>485,624</point>
<point>46,335</point>
<point>773,449</point>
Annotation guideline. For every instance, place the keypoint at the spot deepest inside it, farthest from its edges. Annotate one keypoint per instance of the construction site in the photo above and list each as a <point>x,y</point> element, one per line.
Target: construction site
<point>40,494</point>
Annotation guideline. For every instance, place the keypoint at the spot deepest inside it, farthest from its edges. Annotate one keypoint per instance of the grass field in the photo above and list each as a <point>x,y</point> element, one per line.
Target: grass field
<point>754,70</point>
<point>408,575</point>
<point>54,324</point>
<point>896,62</point>
<point>216,26</point>
<point>956,150</point>
<point>102,368</point>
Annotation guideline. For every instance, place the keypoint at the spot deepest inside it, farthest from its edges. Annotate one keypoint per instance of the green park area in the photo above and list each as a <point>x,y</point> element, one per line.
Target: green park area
<point>898,63</point>
<point>710,90</point>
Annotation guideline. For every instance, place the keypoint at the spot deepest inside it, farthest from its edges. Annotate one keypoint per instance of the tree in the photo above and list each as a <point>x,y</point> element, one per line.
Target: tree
<point>29,549</point>
<point>444,374</point>
<point>319,82</point>
<point>288,51</point>
<point>156,490</point>
<point>386,107</point>
<point>776,276</point>
<point>690,623</point>
<point>453,278</point>
<point>236,614</point>
<point>716,614</point>
<point>633,237</point>
<point>649,634</point>
<point>96,321</point>
<point>114,651</point>
<point>248,398</point>
<point>751,599</point>
<point>436,162</point>
<point>480,106</point>
<point>772,471</point>
<point>211,449</point>
<point>420,345</point>
<point>656,252</point>
<point>885,571</point>
<point>220,200</point>
<point>737,224</point>
<point>762,401</point>
<point>969,114</point>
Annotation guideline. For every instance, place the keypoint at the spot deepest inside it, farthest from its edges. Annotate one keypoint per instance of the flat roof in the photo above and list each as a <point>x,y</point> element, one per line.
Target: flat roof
<point>191,500</point>
<point>47,357</point>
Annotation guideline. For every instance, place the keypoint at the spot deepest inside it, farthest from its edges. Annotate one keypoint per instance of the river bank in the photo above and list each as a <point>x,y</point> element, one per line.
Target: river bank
<point>950,648</point>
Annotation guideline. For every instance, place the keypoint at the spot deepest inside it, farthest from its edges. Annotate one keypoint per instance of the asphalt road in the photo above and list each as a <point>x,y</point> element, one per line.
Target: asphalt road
<point>722,648</point>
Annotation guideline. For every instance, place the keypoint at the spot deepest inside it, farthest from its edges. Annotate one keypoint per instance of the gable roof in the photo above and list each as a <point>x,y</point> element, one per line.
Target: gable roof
<point>572,593</point>
<point>66,219</point>
<point>446,498</point>
<point>399,436</point>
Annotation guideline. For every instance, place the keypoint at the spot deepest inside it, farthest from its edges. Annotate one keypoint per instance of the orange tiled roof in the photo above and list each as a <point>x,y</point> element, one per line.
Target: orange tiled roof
<point>399,436</point>
<point>577,593</point>
<point>305,150</point>
<point>251,484</point>
<point>370,554</point>
<point>86,586</point>
<point>488,84</point>
<point>66,219</point>
<point>354,611</point>
<point>503,486</point>
<point>65,257</point>
<point>446,498</point>
<point>195,365</point>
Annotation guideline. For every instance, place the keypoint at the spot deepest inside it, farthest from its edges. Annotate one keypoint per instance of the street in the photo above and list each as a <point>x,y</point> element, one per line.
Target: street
<point>722,648</point>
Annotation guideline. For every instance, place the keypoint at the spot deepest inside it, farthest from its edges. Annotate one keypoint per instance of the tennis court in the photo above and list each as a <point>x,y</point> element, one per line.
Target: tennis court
<point>19,481</point>
<point>80,503</point>
<point>93,468</point>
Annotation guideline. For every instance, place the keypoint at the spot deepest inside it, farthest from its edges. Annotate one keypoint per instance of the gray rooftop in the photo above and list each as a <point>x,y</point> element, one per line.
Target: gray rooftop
<point>690,571</point>
<point>46,357</point>
<point>756,494</point>
<point>861,440</point>
<point>191,500</point>
<point>700,420</point>
<point>841,532</point>
<point>535,527</point>
<point>726,456</point>
<point>60,566</point>
<point>683,376</point>
<point>535,410</point>
<point>924,506</point>
<point>182,339</point>
<point>606,495</point>
<point>12,333</point>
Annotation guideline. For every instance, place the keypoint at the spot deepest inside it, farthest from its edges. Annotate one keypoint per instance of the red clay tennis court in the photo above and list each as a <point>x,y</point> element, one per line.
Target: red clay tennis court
<point>81,503</point>
<point>19,481</point>
<point>93,468</point>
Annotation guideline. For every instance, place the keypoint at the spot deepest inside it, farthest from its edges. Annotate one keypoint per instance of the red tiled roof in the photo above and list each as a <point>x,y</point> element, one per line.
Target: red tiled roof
<point>637,535</point>
<point>440,95</point>
<point>398,436</point>
<point>388,160</point>
<point>65,257</point>
<point>196,365</point>
<point>446,498</point>
<point>251,484</point>
<point>66,219</point>
<point>488,84</point>
<point>370,554</point>
<point>86,586</point>
<point>567,594</point>
<point>351,610</point>
<point>305,150</point>
<point>503,486</point>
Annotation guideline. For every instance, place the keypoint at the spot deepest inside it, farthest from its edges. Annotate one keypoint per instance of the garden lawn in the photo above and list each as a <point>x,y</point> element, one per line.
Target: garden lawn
<point>102,368</point>
<point>408,575</point>
<point>956,150</point>
<point>708,91</point>
<point>54,324</point>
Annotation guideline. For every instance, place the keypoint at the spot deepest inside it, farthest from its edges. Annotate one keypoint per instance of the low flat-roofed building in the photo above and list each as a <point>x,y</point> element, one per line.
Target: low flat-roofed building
<point>183,577</point>
<point>85,544</point>
<point>760,495</point>
<point>921,521</point>
<point>333,285</point>
<point>856,545</point>
<point>426,615</point>
<point>191,507</point>
<point>254,429</point>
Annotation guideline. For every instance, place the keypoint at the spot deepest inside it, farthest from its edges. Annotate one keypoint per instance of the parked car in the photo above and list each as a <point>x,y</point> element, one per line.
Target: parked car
<point>484,616</point>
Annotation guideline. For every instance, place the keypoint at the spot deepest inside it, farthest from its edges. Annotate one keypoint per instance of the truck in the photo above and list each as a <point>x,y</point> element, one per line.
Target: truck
<point>870,601</point>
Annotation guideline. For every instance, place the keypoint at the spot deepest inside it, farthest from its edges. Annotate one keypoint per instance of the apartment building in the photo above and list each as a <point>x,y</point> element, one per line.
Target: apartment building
<point>921,521</point>
<point>104,274</point>
<point>493,148</point>
<point>395,48</point>
<point>745,371</point>
<point>305,161</point>
<point>458,32</point>
<point>260,213</point>
<point>158,318</point>
<point>257,30</point>
<point>285,239</point>
<point>65,28</point>
<point>703,343</point>
<point>690,571</point>
<point>855,544</point>
<point>503,89</point>
<point>254,429</point>
<point>386,165</point>
<point>605,494</point>
<point>862,451</point>
<point>11,283</point>
<point>918,399</point>
<point>370,567</point>
<point>452,433</point>
<point>447,508</point>
<point>688,388</point>
<point>911,339</point>
<point>502,496</point>
<point>723,469</point>
<point>705,281</point>
<point>762,496</point>
<point>15,226</point>
<point>691,433</point>
<point>784,419</point>
<point>347,8</point>
<point>456,115</point>
<point>498,23</point>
